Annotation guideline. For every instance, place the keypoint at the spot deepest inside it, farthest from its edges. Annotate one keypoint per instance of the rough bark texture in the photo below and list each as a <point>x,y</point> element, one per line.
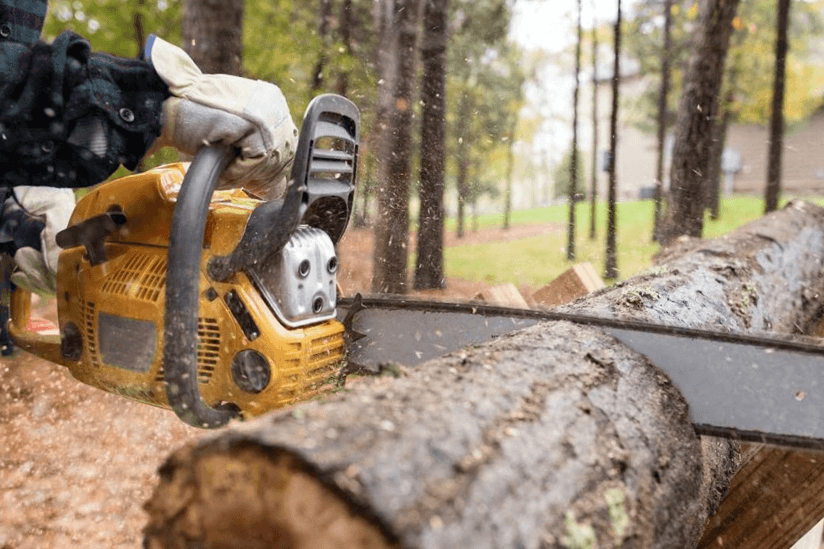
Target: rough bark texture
<point>540,438</point>
<point>697,110</point>
<point>429,264</point>
<point>213,34</point>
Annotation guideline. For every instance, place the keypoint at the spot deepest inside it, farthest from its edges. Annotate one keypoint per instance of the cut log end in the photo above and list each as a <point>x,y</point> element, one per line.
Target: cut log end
<point>245,497</point>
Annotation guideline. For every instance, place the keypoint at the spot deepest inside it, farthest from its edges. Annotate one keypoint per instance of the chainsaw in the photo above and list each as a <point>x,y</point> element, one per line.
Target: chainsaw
<point>236,326</point>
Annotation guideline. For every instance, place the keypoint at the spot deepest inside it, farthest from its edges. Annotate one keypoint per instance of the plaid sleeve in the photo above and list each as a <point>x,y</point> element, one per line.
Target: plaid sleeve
<point>22,20</point>
<point>69,118</point>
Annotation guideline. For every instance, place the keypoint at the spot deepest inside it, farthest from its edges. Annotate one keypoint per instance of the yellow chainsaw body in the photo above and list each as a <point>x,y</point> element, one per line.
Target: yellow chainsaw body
<point>116,308</point>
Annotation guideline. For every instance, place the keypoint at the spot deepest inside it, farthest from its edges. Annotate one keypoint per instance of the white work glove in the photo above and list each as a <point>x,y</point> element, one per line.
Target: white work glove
<point>252,115</point>
<point>37,269</point>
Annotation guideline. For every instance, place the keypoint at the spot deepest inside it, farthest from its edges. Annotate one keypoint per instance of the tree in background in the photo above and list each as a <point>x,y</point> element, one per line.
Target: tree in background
<point>593,192</point>
<point>662,118</point>
<point>697,112</point>
<point>562,174</point>
<point>484,89</point>
<point>773,190</point>
<point>573,165</point>
<point>213,35</point>
<point>324,21</point>
<point>611,269</point>
<point>429,272</point>
<point>399,31</point>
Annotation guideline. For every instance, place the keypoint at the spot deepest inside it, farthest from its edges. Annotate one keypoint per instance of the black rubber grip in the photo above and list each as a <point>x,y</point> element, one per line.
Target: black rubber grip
<point>183,289</point>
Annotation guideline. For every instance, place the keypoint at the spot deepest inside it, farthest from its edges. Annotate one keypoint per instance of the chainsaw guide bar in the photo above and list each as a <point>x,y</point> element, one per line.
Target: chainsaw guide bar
<point>751,388</point>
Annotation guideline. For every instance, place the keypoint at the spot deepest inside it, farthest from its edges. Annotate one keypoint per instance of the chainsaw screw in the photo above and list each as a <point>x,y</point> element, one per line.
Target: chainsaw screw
<point>332,266</point>
<point>304,268</point>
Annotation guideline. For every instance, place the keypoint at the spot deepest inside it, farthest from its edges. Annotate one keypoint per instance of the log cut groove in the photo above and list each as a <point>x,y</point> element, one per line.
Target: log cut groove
<point>553,436</point>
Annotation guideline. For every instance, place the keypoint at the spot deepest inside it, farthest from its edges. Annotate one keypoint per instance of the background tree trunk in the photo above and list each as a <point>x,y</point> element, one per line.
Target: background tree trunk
<point>392,228</point>
<point>697,112</point>
<point>345,30</point>
<point>573,165</point>
<point>510,167</point>
<point>324,18</point>
<point>593,192</point>
<point>213,35</point>
<point>773,191</point>
<point>429,265</point>
<point>139,32</point>
<point>462,158</point>
<point>663,112</point>
<point>719,140</point>
<point>611,270</point>
<point>553,434</point>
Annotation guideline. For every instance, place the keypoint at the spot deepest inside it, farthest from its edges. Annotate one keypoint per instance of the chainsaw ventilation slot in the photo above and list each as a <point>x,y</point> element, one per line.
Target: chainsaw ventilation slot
<point>208,350</point>
<point>91,334</point>
<point>142,274</point>
<point>326,353</point>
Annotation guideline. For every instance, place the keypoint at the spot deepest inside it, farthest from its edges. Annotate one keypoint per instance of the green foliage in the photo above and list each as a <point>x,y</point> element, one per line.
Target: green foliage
<point>110,24</point>
<point>750,60</point>
<point>485,72</point>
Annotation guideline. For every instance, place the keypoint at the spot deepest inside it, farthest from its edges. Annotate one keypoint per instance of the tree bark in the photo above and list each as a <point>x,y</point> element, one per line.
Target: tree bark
<point>611,269</point>
<point>213,35</point>
<point>697,112</point>
<point>395,155</point>
<point>773,191</point>
<point>549,435</point>
<point>429,272</point>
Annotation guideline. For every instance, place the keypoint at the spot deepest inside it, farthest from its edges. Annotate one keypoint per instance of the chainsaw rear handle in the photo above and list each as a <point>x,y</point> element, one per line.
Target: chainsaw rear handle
<point>183,290</point>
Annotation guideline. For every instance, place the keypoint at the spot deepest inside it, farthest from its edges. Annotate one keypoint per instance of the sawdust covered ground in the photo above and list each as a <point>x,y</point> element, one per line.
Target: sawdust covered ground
<point>77,464</point>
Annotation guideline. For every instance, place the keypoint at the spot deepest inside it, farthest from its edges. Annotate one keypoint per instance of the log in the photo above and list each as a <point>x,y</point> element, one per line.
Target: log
<point>554,436</point>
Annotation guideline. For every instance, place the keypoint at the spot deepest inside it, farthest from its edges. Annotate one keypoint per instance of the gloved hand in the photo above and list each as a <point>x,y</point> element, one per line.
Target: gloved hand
<point>37,269</point>
<point>252,115</point>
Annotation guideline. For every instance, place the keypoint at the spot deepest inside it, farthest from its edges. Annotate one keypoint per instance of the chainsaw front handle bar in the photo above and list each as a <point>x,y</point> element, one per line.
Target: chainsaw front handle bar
<point>180,338</point>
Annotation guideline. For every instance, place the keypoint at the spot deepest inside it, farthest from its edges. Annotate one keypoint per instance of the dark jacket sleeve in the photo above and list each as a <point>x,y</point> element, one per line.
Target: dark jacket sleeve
<point>70,117</point>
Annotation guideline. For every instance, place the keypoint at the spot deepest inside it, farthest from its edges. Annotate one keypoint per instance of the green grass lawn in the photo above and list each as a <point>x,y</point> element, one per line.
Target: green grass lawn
<point>537,260</point>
